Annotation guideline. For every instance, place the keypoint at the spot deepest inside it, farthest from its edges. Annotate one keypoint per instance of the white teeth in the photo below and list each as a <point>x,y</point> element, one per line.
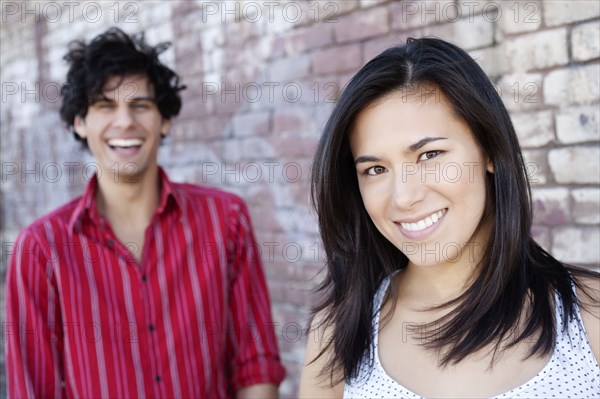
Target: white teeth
<point>125,142</point>
<point>424,223</point>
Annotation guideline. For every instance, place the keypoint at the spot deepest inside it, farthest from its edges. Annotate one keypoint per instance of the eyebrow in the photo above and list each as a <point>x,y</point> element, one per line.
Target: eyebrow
<point>104,98</point>
<point>421,143</point>
<point>411,148</point>
<point>366,158</point>
<point>143,98</point>
<point>99,98</point>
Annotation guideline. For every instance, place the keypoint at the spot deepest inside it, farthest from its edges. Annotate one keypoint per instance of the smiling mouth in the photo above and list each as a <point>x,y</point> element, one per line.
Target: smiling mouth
<point>125,143</point>
<point>425,222</point>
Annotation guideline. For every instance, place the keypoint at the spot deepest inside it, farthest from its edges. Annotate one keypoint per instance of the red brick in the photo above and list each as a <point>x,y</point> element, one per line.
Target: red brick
<point>577,244</point>
<point>375,46</point>
<point>343,7</point>
<point>536,162</point>
<point>277,47</point>
<point>261,196</point>
<point>370,3</point>
<point>289,387</point>
<point>326,12</point>
<point>289,68</point>
<point>337,59</point>
<point>309,38</point>
<point>292,119</point>
<point>586,205</point>
<point>568,166</point>
<point>251,123</point>
<point>290,292</point>
<point>278,268</point>
<point>416,14</point>
<point>366,24</point>
<point>266,220</point>
<point>291,324</point>
<point>342,82</point>
<point>228,99</point>
<point>212,127</point>
<point>188,47</point>
<point>291,145</point>
<point>289,314</point>
<point>541,235</point>
<point>195,107</point>
<point>292,170</point>
<point>551,206</point>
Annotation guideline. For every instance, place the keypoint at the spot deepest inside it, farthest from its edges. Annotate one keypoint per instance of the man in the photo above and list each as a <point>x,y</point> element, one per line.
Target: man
<point>141,287</point>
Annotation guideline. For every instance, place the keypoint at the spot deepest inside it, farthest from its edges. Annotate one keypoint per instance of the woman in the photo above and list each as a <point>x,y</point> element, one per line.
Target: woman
<point>435,287</point>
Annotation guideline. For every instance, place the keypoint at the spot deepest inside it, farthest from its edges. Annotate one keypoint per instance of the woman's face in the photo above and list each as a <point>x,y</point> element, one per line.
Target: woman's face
<point>421,176</point>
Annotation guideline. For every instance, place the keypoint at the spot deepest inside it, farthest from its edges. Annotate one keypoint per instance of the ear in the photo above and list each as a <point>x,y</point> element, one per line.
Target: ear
<point>490,167</point>
<point>80,127</point>
<point>166,127</point>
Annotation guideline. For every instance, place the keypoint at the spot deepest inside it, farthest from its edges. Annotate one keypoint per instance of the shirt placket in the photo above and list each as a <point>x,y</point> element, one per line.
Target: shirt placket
<point>147,318</point>
<point>151,307</point>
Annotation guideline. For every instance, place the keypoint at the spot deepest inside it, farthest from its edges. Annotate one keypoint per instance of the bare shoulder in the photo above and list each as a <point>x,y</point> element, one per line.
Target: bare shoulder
<point>314,383</point>
<point>589,297</point>
<point>262,391</point>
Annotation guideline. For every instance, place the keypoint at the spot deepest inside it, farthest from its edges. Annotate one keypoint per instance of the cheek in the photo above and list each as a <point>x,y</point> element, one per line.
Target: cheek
<point>95,146</point>
<point>374,200</point>
<point>469,175</point>
<point>95,126</point>
<point>472,189</point>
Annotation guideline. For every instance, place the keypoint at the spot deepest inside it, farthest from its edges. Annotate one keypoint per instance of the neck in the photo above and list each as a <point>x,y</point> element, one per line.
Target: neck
<point>129,199</point>
<point>432,285</point>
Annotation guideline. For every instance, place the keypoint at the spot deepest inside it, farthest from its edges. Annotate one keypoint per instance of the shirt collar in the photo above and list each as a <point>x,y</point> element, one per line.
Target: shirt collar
<point>87,203</point>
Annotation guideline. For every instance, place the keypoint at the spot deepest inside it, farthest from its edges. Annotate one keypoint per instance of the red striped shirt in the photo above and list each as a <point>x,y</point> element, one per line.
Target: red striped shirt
<point>192,319</point>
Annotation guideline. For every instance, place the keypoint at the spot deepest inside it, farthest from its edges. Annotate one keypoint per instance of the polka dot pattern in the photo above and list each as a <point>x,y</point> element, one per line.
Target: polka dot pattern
<point>571,372</point>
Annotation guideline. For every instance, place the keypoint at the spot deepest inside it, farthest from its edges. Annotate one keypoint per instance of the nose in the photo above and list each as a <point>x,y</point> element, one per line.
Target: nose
<point>408,188</point>
<point>123,117</point>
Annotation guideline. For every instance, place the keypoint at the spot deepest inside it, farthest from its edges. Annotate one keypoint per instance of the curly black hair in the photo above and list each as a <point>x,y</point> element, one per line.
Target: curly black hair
<point>115,53</point>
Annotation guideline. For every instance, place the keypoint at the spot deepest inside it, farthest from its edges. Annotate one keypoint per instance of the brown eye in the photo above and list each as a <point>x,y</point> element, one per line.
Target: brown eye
<point>375,170</point>
<point>429,154</point>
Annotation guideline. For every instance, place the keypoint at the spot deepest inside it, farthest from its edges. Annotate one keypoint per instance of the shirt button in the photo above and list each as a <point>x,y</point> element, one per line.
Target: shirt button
<point>157,378</point>
<point>144,278</point>
<point>110,243</point>
<point>151,327</point>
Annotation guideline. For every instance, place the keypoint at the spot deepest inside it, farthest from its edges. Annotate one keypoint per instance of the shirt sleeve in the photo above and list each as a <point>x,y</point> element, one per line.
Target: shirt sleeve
<point>32,331</point>
<point>252,349</point>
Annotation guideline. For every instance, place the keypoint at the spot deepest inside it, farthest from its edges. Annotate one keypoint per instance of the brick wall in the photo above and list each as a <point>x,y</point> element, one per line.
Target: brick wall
<point>262,78</point>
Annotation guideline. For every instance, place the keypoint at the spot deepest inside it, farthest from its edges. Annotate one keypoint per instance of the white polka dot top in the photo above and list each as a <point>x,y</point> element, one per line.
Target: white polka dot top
<point>572,371</point>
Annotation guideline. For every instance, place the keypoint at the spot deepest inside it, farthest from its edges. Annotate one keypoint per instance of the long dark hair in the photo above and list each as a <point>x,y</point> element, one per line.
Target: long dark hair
<point>514,268</point>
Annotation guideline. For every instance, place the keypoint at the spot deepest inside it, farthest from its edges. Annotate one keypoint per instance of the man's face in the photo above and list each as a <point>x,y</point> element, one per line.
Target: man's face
<point>123,127</point>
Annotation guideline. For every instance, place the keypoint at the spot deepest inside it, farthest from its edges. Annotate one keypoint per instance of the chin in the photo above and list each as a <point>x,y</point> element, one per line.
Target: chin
<point>420,264</point>
<point>431,254</point>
